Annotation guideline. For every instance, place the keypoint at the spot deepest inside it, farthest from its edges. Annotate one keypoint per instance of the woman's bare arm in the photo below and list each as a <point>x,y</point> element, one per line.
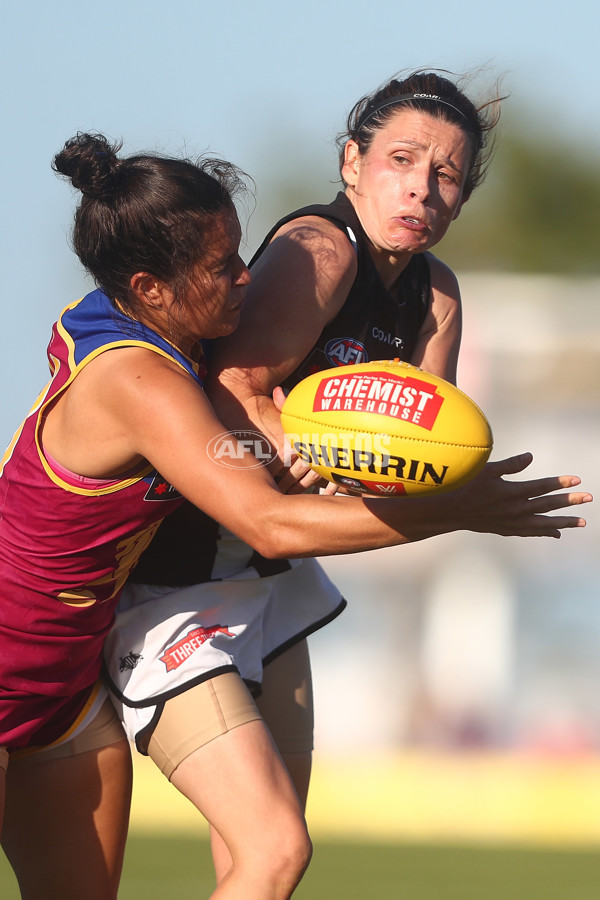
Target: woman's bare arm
<point>139,405</point>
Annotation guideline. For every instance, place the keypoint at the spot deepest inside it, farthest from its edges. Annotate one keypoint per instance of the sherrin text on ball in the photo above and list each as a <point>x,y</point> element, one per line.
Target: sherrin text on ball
<point>386,428</point>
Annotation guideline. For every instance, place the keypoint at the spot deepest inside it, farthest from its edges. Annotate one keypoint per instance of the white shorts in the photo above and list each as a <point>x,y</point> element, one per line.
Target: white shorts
<point>166,640</point>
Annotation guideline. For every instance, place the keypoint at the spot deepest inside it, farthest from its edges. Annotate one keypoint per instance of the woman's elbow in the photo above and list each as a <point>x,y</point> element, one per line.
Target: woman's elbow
<point>271,547</point>
<point>276,542</point>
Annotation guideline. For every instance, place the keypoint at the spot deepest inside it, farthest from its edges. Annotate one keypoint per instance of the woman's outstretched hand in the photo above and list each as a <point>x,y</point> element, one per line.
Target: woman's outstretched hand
<point>492,504</point>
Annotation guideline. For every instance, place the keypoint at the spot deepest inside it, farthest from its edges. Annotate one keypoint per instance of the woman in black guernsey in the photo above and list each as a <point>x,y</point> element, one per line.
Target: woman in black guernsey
<point>345,282</point>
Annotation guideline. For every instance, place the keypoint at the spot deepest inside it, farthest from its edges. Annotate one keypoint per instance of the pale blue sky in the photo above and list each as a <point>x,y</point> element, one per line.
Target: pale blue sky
<point>266,84</point>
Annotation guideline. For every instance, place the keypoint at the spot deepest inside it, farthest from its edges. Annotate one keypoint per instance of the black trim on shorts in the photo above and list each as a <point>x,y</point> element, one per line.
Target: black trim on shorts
<point>142,737</point>
<point>306,632</point>
<point>168,695</point>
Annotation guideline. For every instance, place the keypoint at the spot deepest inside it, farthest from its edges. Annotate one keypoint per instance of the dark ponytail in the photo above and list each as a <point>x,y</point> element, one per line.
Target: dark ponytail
<point>91,163</point>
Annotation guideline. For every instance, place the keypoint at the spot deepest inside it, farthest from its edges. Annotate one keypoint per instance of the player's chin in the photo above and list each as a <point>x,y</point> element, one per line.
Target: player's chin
<point>229,323</point>
<point>411,242</point>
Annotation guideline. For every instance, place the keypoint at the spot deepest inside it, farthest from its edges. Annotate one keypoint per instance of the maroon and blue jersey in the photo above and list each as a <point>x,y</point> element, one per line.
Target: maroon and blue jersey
<point>68,543</point>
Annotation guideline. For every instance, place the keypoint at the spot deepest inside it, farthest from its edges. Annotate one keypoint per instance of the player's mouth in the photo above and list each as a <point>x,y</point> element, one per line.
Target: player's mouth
<point>239,302</point>
<point>413,224</point>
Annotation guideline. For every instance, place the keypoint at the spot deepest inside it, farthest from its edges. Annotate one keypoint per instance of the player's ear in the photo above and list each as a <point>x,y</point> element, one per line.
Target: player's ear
<point>150,290</point>
<point>351,162</point>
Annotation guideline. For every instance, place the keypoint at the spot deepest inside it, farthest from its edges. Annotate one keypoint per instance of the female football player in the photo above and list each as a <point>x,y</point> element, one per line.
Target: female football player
<point>332,284</point>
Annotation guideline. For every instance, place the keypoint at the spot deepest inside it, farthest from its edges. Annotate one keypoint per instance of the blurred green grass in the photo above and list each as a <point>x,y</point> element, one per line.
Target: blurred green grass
<point>157,866</point>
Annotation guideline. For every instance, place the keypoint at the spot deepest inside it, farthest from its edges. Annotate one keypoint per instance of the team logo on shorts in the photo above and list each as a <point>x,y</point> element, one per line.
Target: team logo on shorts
<point>175,655</point>
<point>130,661</point>
<point>345,352</point>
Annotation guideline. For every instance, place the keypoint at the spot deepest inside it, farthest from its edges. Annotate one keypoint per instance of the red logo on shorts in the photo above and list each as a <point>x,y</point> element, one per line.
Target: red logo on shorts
<point>177,654</point>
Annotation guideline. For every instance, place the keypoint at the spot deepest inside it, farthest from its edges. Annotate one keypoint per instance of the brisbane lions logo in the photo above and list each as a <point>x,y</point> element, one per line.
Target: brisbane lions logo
<point>345,352</point>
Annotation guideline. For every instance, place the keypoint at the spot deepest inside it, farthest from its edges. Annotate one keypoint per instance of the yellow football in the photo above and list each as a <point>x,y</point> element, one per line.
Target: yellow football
<point>386,428</point>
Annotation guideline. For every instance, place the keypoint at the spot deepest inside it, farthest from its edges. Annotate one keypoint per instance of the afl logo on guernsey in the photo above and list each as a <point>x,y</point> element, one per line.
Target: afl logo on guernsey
<point>345,352</point>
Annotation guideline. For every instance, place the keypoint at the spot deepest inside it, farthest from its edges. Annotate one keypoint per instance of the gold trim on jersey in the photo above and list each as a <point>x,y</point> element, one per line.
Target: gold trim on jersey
<point>66,735</point>
<point>116,483</point>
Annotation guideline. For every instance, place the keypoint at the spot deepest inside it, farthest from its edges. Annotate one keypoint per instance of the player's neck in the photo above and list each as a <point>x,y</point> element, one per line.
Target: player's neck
<point>389,265</point>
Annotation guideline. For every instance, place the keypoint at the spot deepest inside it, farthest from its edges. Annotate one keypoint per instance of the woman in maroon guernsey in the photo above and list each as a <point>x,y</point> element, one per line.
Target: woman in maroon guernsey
<point>119,436</point>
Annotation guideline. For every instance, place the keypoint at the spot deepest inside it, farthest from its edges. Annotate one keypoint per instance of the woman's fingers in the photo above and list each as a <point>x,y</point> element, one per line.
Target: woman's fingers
<point>542,486</point>
<point>298,478</point>
<point>551,502</point>
<point>512,465</point>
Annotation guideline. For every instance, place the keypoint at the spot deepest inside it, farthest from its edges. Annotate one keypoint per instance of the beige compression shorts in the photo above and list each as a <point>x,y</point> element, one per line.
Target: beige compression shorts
<point>203,712</point>
<point>103,729</point>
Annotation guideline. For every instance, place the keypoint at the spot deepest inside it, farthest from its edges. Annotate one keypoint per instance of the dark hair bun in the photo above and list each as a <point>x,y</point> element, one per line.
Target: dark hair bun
<point>91,162</point>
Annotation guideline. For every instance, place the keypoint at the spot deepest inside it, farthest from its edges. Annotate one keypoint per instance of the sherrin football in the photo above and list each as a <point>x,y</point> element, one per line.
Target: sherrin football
<point>386,428</point>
